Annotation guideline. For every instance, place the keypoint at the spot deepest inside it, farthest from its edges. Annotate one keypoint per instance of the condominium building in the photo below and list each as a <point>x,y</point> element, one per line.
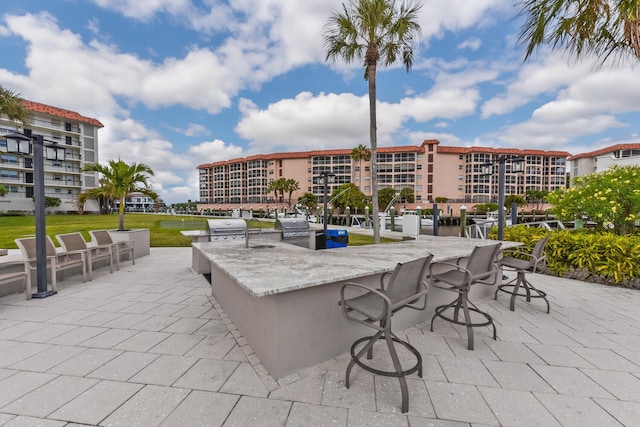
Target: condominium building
<point>603,159</point>
<point>70,141</point>
<point>429,169</point>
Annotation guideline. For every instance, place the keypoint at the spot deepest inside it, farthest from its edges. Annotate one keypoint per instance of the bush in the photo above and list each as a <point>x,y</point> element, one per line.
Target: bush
<point>584,254</point>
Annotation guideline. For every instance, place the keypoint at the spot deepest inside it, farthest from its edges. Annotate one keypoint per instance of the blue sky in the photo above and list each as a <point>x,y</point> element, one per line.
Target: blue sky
<point>179,83</point>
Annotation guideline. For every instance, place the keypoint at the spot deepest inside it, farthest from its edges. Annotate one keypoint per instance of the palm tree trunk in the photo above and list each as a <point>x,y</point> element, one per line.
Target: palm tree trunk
<point>373,136</point>
<point>121,214</point>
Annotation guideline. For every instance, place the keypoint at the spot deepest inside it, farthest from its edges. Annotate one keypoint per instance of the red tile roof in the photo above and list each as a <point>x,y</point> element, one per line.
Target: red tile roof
<point>400,149</point>
<point>513,151</point>
<point>59,112</point>
<point>606,150</point>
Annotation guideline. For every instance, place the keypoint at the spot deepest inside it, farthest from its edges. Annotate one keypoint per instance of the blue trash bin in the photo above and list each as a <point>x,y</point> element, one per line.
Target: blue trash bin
<point>337,239</point>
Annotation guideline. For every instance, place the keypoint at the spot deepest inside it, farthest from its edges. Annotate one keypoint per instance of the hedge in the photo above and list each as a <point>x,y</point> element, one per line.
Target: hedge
<point>585,254</point>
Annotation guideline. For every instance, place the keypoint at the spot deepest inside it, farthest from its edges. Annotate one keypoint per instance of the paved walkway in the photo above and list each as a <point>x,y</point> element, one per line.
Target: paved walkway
<point>148,345</point>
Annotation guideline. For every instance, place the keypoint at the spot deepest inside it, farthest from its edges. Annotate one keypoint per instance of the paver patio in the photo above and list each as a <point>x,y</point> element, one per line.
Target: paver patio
<point>148,345</point>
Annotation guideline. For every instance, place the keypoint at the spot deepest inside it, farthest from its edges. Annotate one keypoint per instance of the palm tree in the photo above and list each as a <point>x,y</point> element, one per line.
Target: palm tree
<point>374,31</point>
<point>278,188</point>
<point>3,190</point>
<point>120,180</point>
<point>600,27</point>
<point>360,153</point>
<point>104,194</point>
<point>291,185</point>
<point>11,105</point>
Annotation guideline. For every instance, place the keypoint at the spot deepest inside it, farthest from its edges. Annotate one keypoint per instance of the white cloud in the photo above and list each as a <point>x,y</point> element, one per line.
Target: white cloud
<point>535,79</point>
<point>446,139</point>
<point>305,122</point>
<point>554,134</point>
<point>473,43</point>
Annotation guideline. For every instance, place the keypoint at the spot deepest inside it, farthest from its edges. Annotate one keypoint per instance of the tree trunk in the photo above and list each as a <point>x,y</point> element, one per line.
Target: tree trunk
<point>373,136</point>
<point>121,215</point>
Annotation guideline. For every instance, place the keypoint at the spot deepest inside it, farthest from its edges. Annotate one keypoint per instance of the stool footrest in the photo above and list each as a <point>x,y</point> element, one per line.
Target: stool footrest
<point>412,349</point>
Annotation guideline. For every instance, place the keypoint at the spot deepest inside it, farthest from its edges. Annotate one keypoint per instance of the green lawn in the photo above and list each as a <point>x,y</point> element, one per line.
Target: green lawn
<point>164,230</point>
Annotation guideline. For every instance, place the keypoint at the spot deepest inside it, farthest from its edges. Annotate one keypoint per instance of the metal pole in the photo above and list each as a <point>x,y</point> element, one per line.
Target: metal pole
<point>324,211</point>
<point>41,228</point>
<point>435,219</point>
<point>501,179</point>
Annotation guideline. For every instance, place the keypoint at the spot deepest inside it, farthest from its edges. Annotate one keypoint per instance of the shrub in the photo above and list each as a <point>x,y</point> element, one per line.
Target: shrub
<point>598,256</point>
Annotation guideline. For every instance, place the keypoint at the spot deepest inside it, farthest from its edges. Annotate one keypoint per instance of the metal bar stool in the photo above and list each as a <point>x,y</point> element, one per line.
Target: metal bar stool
<point>520,286</point>
<point>480,268</point>
<point>405,287</point>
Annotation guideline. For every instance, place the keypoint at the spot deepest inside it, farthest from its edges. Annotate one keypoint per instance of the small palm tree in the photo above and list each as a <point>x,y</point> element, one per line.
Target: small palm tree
<point>600,27</point>
<point>375,32</point>
<point>290,186</point>
<point>360,153</point>
<point>119,180</point>
<point>11,105</point>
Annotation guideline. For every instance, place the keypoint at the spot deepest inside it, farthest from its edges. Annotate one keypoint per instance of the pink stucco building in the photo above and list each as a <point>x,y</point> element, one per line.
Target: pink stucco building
<point>432,170</point>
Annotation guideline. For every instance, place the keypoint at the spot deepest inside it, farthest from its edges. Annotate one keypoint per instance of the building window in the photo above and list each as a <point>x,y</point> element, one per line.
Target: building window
<point>8,174</point>
<point>5,158</point>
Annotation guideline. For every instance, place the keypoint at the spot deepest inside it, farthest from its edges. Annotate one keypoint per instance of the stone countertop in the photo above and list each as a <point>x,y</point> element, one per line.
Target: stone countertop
<point>268,268</point>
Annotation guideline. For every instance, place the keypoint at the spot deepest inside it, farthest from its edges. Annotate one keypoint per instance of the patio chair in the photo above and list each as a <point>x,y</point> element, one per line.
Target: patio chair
<point>520,286</point>
<point>13,270</point>
<point>103,238</point>
<point>404,288</point>
<point>479,268</point>
<point>56,261</point>
<point>75,242</point>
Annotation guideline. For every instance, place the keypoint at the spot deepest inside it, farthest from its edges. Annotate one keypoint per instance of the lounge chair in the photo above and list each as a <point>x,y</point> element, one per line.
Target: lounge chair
<point>56,261</point>
<point>73,242</point>
<point>103,238</point>
<point>11,271</point>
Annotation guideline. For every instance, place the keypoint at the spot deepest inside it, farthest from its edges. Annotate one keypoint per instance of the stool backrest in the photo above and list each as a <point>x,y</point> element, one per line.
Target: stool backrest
<point>406,279</point>
<point>482,260</point>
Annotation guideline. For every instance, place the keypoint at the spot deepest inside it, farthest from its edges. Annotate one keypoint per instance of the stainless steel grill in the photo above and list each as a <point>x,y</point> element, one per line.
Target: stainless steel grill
<point>221,230</point>
<point>294,231</point>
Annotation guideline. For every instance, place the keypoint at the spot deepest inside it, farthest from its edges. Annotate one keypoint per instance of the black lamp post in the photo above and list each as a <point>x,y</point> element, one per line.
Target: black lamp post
<point>21,144</point>
<point>517,165</point>
<point>326,178</point>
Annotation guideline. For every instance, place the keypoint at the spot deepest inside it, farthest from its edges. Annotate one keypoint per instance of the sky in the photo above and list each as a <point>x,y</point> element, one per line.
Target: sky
<point>178,83</point>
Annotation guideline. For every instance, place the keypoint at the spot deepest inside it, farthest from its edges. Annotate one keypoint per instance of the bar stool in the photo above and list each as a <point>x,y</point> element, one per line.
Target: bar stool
<point>405,287</point>
<point>520,286</point>
<point>480,268</point>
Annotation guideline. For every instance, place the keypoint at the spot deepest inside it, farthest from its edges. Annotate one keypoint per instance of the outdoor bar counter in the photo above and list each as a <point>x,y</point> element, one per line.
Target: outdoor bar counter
<point>284,299</point>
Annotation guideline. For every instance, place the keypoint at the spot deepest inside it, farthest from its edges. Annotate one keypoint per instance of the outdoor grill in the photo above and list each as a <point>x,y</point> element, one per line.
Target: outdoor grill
<point>294,231</point>
<point>221,230</point>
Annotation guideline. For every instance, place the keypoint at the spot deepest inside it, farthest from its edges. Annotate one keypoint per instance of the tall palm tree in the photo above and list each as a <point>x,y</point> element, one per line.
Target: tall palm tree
<point>376,32</point>
<point>600,27</point>
<point>360,153</point>
<point>120,180</point>
<point>11,105</point>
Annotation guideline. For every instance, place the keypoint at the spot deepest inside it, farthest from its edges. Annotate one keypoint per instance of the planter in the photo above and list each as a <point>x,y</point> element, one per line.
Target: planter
<point>140,237</point>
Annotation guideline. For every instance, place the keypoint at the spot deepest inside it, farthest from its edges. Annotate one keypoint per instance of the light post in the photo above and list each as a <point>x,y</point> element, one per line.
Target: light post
<point>517,165</point>
<point>326,178</point>
<point>21,144</point>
